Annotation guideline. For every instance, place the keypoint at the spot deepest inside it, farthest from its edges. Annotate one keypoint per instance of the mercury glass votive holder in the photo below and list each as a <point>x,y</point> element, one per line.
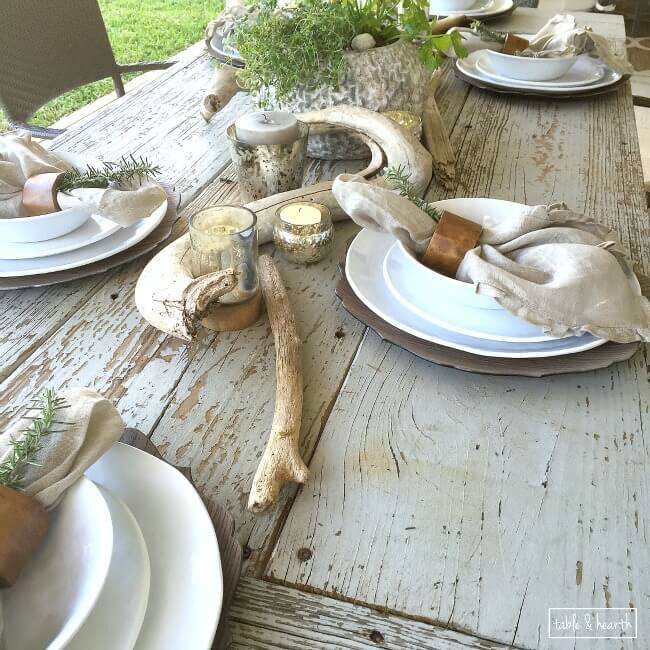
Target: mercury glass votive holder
<point>224,237</point>
<point>267,169</point>
<point>303,232</point>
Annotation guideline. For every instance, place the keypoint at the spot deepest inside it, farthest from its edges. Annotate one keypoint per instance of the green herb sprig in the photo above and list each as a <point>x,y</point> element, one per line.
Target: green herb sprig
<point>486,34</point>
<point>25,448</point>
<point>400,180</point>
<point>116,173</point>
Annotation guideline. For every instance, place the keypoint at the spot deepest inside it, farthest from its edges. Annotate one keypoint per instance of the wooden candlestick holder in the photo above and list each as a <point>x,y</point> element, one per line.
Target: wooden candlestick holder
<point>229,318</point>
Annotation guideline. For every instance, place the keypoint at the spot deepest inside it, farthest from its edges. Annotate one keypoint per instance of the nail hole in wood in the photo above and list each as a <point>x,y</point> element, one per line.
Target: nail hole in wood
<point>339,333</point>
<point>113,296</point>
<point>247,551</point>
<point>376,637</point>
<point>304,554</point>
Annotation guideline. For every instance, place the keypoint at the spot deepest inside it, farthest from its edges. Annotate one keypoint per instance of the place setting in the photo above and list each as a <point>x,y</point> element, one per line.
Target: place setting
<point>560,61</point>
<point>112,546</point>
<point>488,285</point>
<point>64,217</point>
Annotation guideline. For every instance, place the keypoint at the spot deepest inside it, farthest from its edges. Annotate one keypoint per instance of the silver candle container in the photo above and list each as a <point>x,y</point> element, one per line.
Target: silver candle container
<point>267,169</point>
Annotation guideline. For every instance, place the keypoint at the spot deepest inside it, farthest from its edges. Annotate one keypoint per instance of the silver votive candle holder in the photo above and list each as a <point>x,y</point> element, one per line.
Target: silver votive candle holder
<point>303,232</point>
<point>267,169</point>
<point>224,237</point>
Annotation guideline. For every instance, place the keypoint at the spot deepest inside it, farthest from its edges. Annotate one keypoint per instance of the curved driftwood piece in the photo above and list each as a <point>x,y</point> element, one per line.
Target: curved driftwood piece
<point>223,88</point>
<point>281,461</point>
<point>399,146</point>
<point>170,298</point>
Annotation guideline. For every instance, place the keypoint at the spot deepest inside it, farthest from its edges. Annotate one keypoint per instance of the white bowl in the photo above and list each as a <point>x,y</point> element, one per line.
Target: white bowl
<point>117,617</point>
<point>44,226</point>
<point>525,68</point>
<point>450,5</point>
<point>445,288</point>
<point>57,590</point>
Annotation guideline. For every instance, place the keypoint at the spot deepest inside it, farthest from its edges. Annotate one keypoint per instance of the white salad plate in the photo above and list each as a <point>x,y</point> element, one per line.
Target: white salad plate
<point>364,271</point>
<point>186,590</point>
<point>93,230</point>
<point>413,291</point>
<point>468,67</point>
<point>119,241</point>
<point>122,603</point>
<point>59,587</point>
<point>585,71</point>
<point>483,8</point>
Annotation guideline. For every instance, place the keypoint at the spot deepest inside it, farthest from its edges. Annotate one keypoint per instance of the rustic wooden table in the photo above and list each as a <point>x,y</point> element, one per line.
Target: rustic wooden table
<point>446,510</point>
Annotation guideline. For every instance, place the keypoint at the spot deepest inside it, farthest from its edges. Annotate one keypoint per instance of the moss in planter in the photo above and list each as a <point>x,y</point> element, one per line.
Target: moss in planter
<point>305,45</point>
<point>284,50</point>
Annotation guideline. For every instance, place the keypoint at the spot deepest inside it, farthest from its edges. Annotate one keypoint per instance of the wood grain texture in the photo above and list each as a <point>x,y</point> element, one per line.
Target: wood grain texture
<point>265,615</point>
<point>479,502</point>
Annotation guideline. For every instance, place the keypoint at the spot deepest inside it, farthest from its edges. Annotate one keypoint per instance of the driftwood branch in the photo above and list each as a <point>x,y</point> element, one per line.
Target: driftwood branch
<point>437,141</point>
<point>281,461</point>
<point>223,88</point>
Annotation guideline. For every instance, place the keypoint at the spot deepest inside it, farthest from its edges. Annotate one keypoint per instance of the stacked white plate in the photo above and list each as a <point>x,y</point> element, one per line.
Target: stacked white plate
<point>130,561</point>
<point>388,279</point>
<point>67,239</point>
<point>480,9</point>
<point>584,74</point>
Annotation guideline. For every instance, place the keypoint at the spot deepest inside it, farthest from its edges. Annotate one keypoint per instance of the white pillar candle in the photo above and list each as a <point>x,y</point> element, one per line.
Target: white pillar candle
<point>267,127</point>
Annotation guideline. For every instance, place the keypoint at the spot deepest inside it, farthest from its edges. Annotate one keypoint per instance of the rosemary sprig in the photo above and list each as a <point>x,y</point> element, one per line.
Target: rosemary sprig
<point>400,179</point>
<point>486,34</point>
<point>24,449</point>
<point>124,170</point>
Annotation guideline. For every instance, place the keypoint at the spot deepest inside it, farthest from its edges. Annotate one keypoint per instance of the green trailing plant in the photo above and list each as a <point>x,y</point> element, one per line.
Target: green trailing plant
<point>486,34</point>
<point>305,45</point>
<point>401,181</point>
<point>25,448</point>
<point>125,170</point>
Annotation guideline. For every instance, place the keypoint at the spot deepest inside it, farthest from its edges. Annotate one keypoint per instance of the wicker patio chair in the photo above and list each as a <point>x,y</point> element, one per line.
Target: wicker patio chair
<point>48,47</point>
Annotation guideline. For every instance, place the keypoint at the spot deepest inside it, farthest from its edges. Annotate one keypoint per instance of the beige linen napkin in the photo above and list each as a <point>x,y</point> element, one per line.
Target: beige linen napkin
<point>21,157</point>
<point>561,36</point>
<point>545,264</point>
<point>94,425</point>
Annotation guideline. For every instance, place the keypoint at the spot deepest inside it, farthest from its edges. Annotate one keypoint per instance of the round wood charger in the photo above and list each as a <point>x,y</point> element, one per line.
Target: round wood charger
<point>600,357</point>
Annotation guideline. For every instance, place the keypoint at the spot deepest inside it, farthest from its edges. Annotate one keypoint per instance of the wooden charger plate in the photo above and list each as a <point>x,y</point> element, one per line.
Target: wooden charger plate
<point>600,357</point>
<point>495,88</point>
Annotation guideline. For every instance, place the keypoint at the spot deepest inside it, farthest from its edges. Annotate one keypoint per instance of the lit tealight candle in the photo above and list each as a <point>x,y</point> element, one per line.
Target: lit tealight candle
<point>301,214</point>
<point>267,127</point>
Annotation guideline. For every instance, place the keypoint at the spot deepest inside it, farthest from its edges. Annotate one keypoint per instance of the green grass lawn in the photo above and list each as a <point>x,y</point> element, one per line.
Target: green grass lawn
<point>139,30</point>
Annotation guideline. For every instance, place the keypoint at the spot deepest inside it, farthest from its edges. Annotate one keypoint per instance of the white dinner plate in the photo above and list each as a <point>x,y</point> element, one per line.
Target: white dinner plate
<point>186,582</point>
<point>59,587</point>
<point>95,229</point>
<point>468,67</point>
<point>483,8</point>
<point>583,72</point>
<point>364,271</point>
<point>413,292</point>
<point>120,240</point>
<point>117,617</point>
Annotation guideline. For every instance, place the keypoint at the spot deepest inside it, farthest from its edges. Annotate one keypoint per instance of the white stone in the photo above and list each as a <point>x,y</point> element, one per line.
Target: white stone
<point>363,42</point>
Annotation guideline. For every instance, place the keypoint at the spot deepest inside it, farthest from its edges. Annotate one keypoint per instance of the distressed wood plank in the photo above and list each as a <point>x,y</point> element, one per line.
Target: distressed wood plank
<point>476,502</point>
<point>480,502</point>
<point>265,615</point>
